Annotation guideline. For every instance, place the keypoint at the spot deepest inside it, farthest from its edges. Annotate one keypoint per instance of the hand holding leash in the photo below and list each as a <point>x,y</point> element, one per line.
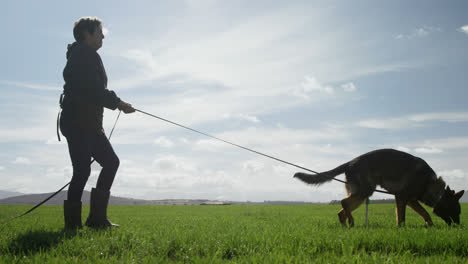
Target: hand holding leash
<point>126,107</point>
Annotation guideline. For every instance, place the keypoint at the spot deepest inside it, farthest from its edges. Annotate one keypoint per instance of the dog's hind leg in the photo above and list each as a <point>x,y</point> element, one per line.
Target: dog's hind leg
<point>421,211</point>
<point>349,204</point>
<point>342,217</point>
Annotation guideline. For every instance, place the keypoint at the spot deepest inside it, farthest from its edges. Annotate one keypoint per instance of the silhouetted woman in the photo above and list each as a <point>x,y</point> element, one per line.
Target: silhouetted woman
<point>85,95</point>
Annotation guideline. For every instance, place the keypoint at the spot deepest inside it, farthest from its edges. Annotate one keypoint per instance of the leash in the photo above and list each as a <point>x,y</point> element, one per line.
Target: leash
<point>54,194</point>
<point>239,146</point>
<point>225,141</point>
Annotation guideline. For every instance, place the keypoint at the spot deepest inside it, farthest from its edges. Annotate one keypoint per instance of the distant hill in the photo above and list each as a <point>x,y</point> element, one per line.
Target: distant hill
<point>13,198</point>
<point>6,194</point>
<point>33,199</point>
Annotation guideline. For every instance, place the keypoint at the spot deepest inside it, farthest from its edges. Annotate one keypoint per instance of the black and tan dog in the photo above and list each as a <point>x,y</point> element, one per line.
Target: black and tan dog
<point>408,177</point>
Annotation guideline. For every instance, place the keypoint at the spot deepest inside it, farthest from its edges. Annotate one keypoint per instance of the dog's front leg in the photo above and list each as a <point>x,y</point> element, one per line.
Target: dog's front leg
<point>400,209</point>
<point>421,211</point>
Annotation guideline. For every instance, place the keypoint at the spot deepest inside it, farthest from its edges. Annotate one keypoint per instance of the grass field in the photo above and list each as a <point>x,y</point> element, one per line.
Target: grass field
<point>238,234</point>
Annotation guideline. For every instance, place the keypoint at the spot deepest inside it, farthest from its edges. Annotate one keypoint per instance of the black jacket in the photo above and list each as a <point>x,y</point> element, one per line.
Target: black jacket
<point>85,89</point>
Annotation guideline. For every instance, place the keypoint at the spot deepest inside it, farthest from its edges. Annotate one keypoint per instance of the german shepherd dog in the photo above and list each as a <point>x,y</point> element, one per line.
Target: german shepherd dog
<point>407,177</point>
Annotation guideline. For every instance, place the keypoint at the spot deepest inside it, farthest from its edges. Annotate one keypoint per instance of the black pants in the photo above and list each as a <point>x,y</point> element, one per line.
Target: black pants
<point>84,145</point>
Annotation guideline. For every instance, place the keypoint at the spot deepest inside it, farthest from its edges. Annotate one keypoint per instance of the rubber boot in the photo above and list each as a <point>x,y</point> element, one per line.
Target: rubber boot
<point>72,214</point>
<point>97,217</point>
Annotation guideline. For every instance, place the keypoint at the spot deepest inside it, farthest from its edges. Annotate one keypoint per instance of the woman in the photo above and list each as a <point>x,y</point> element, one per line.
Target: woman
<point>84,97</point>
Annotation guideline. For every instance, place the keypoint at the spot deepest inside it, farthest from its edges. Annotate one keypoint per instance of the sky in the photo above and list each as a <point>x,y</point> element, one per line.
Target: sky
<point>315,83</point>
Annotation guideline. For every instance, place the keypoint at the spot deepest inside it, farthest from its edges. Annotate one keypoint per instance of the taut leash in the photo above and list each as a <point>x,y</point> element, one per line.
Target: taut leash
<point>239,146</point>
<point>225,141</point>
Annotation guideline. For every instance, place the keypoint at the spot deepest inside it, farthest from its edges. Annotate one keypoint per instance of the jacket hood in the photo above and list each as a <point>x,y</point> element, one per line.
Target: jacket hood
<point>70,48</point>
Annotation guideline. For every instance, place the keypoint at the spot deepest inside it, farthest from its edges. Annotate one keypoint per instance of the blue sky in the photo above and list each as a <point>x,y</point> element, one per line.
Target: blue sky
<point>316,83</point>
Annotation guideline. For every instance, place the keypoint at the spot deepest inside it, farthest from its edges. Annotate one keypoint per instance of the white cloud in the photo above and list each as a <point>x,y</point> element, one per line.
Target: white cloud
<point>282,137</point>
<point>41,134</point>
<point>165,163</point>
<point>164,142</point>
<point>32,86</point>
<point>22,161</point>
<point>404,149</point>
<point>58,174</point>
<point>435,146</point>
<point>447,143</point>
<point>418,32</point>
<point>245,117</point>
<point>252,167</point>
<point>428,150</point>
<point>348,87</point>
<point>393,123</point>
<point>184,140</point>
<point>411,121</point>
<point>211,145</point>
<point>311,84</point>
<point>464,29</point>
<point>2,168</point>
<point>311,87</point>
<point>451,117</point>
<point>174,163</point>
<point>249,118</point>
<point>380,68</point>
<point>421,32</point>
<point>453,174</point>
<point>213,56</point>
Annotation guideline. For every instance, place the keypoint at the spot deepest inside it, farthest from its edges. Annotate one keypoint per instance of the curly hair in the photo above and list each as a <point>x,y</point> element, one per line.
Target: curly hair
<point>89,24</point>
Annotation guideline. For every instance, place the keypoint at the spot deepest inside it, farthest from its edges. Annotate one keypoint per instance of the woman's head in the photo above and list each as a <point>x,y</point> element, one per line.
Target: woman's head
<point>88,30</point>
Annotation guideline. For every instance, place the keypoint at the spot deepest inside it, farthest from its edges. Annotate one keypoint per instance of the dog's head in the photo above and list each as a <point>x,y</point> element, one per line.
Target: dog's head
<point>448,207</point>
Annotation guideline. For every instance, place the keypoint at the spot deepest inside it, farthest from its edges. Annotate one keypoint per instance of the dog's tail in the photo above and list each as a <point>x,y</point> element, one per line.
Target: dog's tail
<point>317,179</point>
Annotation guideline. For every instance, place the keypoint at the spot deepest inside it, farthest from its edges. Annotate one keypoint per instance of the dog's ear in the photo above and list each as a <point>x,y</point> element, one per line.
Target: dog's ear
<point>449,191</point>
<point>459,194</point>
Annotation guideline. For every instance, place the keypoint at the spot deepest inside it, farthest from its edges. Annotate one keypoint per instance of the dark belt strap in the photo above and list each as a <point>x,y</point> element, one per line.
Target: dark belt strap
<point>58,116</point>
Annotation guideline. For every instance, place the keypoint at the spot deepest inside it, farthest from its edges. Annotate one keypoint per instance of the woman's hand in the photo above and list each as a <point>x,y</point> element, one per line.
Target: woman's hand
<point>126,107</point>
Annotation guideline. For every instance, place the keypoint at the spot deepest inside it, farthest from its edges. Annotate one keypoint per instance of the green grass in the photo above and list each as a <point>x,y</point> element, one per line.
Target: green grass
<point>238,234</point>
